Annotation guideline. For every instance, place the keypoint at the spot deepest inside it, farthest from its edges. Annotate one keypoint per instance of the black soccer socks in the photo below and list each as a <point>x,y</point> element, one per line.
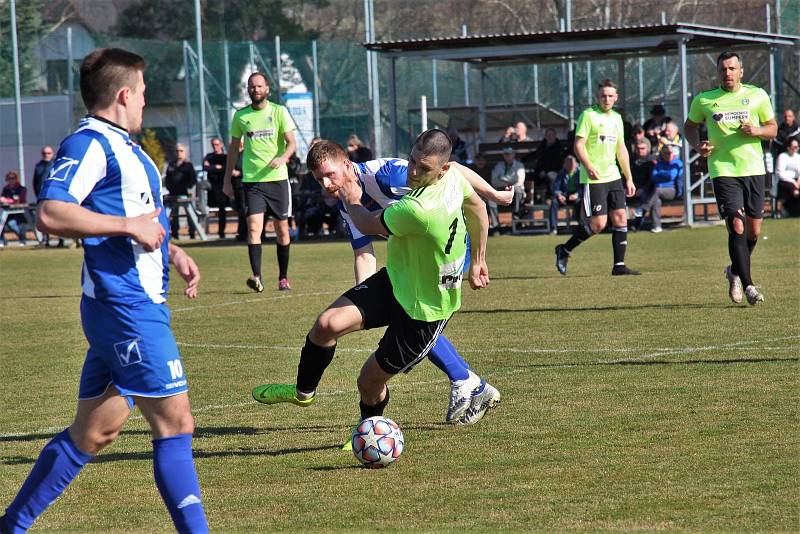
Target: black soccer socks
<point>313,362</point>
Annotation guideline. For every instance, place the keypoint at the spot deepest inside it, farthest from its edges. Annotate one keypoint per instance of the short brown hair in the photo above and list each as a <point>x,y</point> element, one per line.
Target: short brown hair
<point>104,72</point>
<point>433,143</point>
<point>324,150</point>
<point>258,73</point>
<point>606,83</point>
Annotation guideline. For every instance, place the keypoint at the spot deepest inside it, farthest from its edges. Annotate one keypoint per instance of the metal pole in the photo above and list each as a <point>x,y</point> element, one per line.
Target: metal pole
<point>589,88</point>
<point>393,105</point>
<point>70,77</point>
<point>187,88</point>
<point>772,75</point>
<point>482,107</point>
<point>17,97</point>
<point>641,91</point>
<point>367,32</point>
<point>466,70</point>
<point>769,17</point>
<point>423,112</point>
<point>536,83</point>
<point>570,89</point>
<point>688,205</point>
<point>201,78</point>
<point>253,67</point>
<point>316,86</point>
<point>664,67</point>
<point>435,85</point>
<point>778,102</point>
<point>278,68</point>
<point>376,89</point>
<point>228,103</point>
<point>623,93</point>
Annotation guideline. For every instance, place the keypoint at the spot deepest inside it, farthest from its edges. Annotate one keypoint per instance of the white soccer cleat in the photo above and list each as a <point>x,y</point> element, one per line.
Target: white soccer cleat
<point>461,396</point>
<point>485,398</point>
<point>753,295</point>
<point>734,286</point>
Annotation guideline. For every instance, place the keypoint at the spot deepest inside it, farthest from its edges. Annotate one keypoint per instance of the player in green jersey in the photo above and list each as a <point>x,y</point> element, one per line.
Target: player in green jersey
<point>599,145</point>
<point>420,288</point>
<point>738,117</point>
<point>267,131</point>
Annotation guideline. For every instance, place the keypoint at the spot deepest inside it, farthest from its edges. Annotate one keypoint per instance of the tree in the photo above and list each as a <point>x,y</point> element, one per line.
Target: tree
<point>235,20</point>
<point>29,31</point>
<point>152,147</point>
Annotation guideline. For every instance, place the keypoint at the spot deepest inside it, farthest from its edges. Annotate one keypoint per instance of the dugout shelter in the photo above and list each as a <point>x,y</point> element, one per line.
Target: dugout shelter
<point>620,43</point>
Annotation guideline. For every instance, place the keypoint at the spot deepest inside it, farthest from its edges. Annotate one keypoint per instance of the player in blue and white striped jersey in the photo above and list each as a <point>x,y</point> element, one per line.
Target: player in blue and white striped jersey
<point>384,182</point>
<point>105,189</point>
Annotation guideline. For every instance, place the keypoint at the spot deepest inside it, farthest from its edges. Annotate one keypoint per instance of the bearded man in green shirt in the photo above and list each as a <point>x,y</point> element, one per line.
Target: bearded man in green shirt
<point>738,117</point>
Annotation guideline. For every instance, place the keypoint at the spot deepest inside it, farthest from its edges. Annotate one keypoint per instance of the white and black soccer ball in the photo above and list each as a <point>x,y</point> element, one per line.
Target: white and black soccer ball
<point>377,442</point>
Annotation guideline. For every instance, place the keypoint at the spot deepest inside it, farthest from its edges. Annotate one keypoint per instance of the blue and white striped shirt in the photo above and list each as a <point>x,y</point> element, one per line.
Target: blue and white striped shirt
<point>100,168</point>
<point>383,182</point>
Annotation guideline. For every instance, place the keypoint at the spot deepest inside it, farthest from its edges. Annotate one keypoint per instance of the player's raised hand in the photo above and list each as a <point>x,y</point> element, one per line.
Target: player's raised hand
<point>705,149</point>
<point>146,230</point>
<point>478,275</point>
<point>188,270</point>
<point>505,197</point>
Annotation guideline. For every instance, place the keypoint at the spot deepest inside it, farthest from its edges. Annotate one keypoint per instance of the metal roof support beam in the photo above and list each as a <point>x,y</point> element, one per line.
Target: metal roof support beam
<point>393,104</point>
<point>482,107</point>
<point>688,205</point>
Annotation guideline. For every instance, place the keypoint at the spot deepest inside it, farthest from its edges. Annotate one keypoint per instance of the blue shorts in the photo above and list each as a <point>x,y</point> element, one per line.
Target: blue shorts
<point>132,348</point>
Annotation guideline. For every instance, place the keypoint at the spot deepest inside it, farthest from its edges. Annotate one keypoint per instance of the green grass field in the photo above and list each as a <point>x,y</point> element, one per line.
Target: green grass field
<point>629,404</point>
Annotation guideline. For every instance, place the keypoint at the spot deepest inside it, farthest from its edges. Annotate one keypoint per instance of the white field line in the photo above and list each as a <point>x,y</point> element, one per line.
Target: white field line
<point>249,301</point>
<point>411,385</point>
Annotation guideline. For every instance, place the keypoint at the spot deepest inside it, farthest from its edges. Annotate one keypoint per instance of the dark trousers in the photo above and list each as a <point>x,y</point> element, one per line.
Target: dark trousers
<point>174,218</point>
<point>221,202</point>
<point>241,209</point>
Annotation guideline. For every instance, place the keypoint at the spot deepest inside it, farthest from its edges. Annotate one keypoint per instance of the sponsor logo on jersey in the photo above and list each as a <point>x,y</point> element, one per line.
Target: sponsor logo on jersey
<point>257,134</point>
<point>607,138</point>
<point>745,101</point>
<point>128,352</point>
<point>732,116</point>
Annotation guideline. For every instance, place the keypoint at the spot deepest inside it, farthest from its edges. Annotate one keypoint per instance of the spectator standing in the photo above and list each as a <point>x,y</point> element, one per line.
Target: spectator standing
<point>654,125</point>
<point>667,184</point>
<point>179,177</point>
<point>566,190</point>
<point>788,129</point>
<point>787,169</point>
<point>356,151</point>
<point>600,145</point>
<point>510,173</point>
<point>214,166</point>
<point>510,136</point>
<point>14,194</point>
<point>269,141</point>
<point>642,171</point>
<point>238,197</point>
<point>40,173</point>
<point>738,116</point>
<point>549,161</point>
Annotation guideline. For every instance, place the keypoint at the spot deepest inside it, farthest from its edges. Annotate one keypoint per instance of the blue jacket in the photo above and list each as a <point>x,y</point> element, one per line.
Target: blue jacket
<point>669,174</point>
<point>566,184</point>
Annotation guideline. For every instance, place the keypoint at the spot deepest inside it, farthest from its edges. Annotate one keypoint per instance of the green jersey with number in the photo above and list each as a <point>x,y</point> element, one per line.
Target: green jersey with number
<point>262,131</point>
<point>427,247</point>
<point>735,154</point>
<point>601,130</point>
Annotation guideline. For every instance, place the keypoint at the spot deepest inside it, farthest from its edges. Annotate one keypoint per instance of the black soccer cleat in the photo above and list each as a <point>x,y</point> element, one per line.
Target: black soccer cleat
<point>622,270</point>
<point>562,257</point>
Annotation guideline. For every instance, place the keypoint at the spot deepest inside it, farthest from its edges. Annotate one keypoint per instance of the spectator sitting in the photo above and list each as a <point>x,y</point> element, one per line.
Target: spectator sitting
<point>667,181</point>
<point>40,173</point>
<point>566,191</point>
<point>459,151</point>
<point>550,158</point>
<point>654,125</point>
<point>521,129</point>
<point>639,137</point>
<point>14,194</point>
<point>214,165</point>
<point>179,178</point>
<point>642,165</point>
<point>510,136</point>
<point>787,169</point>
<point>356,151</point>
<point>481,167</point>
<point>669,136</point>
<point>788,129</point>
<point>510,173</point>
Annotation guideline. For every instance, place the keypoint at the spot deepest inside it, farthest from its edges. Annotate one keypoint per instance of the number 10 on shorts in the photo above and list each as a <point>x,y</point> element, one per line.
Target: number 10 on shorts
<point>175,369</point>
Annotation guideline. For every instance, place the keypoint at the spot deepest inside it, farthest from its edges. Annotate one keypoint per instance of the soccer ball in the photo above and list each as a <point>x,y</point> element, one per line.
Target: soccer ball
<point>377,442</point>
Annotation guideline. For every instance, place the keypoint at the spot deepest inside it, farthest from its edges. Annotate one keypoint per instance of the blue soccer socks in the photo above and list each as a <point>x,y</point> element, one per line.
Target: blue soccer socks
<point>176,478</point>
<point>58,464</point>
<point>445,356</point>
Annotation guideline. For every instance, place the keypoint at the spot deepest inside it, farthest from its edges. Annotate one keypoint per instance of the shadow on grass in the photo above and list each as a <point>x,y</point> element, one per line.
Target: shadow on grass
<point>655,362</point>
<point>607,308</point>
<point>531,277</point>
